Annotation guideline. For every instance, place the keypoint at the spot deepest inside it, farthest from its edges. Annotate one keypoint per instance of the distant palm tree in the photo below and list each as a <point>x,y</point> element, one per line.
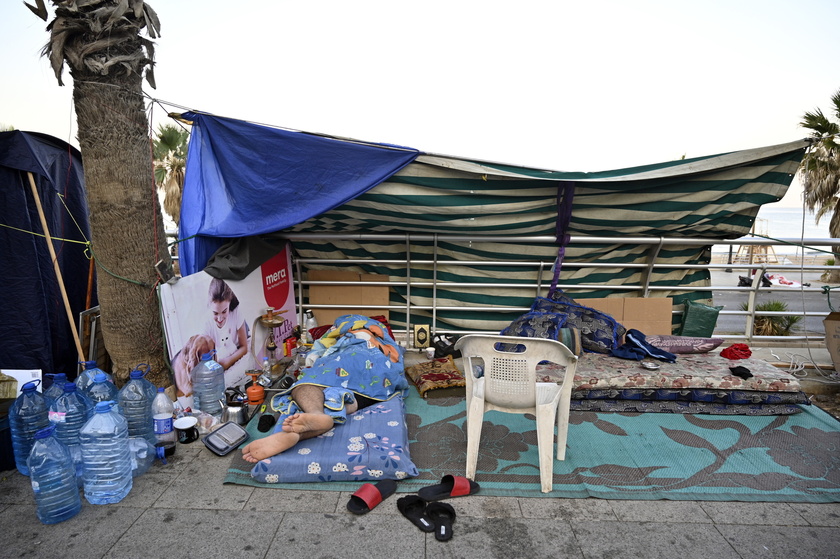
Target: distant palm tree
<point>170,155</point>
<point>820,171</point>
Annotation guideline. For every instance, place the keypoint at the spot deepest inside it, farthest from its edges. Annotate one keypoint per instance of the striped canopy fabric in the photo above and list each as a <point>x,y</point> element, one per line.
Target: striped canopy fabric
<point>480,204</point>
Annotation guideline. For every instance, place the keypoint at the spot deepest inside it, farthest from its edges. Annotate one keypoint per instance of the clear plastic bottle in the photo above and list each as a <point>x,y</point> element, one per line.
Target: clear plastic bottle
<point>27,415</point>
<point>208,381</point>
<point>102,389</point>
<point>69,413</point>
<point>106,455</point>
<point>162,412</point>
<point>143,455</point>
<point>309,323</point>
<point>136,403</point>
<point>53,480</point>
<point>56,389</point>
<point>85,378</point>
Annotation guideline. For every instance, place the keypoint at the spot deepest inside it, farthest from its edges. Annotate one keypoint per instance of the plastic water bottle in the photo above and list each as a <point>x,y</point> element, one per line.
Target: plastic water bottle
<point>103,390</point>
<point>143,455</point>
<point>208,380</point>
<point>85,378</point>
<point>136,403</point>
<point>106,456</point>
<point>56,389</point>
<point>162,411</point>
<point>27,415</point>
<point>53,478</point>
<point>68,414</point>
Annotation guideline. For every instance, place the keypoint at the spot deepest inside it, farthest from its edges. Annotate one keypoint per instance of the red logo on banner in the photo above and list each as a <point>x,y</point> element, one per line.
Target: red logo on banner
<point>277,278</point>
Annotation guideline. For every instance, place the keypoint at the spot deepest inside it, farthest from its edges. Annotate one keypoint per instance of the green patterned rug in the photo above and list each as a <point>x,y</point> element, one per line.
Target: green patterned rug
<point>793,458</point>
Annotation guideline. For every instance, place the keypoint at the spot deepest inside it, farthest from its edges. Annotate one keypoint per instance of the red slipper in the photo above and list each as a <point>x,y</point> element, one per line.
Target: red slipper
<point>368,496</point>
<point>449,486</point>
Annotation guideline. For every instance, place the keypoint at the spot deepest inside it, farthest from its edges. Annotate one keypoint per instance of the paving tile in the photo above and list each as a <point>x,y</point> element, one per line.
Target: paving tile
<point>486,507</point>
<point>502,538</point>
<point>208,534</point>
<point>200,486</point>
<point>15,488</point>
<point>291,500</point>
<point>818,514</point>
<point>89,534</point>
<point>651,540</point>
<point>659,511</point>
<point>781,542</point>
<point>771,514</point>
<point>347,535</point>
<point>567,509</point>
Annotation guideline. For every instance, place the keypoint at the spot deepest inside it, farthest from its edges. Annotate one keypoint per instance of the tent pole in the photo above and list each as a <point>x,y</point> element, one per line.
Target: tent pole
<point>56,266</point>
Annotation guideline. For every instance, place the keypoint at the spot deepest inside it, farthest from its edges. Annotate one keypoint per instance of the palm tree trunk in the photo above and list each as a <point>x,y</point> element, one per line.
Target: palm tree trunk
<point>126,224</point>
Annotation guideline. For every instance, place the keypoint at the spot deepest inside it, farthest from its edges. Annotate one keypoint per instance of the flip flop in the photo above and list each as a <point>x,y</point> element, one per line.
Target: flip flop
<point>449,486</point>
<point>368,496</point>
<point>414,508</point>
<point>443,515</point>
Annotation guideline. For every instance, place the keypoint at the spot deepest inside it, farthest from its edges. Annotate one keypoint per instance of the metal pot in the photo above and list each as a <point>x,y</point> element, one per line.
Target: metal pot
<point>235,413</point>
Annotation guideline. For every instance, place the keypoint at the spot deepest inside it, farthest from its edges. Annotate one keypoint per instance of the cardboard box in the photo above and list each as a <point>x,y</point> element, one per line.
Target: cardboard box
<point>354,296</point>
<point>832,337</point>
<point>649,315</point>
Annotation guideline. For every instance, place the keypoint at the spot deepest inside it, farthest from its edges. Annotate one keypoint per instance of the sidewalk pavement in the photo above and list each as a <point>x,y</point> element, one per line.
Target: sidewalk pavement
<point>182,509</point>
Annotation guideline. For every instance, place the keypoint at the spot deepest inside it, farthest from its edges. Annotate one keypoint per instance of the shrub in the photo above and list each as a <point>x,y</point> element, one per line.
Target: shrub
<point>773,325</point>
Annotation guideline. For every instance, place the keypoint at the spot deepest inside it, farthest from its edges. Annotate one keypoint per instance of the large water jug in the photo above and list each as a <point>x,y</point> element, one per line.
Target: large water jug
<point>69,413</point>
<point>136,403</point>
<point>208,381</point>
<point>106,456</point>
<point>53,478</point>
<point>56,389</point>
<point>103,390</point>
<point>27,415</point>
<point>85,378</point>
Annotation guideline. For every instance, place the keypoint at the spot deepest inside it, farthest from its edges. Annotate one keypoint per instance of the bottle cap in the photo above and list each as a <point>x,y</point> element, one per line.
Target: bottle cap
<point>161,389</point>
<point>137,373</point>
<point>30,386</point>
<point>69,386</point>
<point>103,407</point>
<point>100,377</point>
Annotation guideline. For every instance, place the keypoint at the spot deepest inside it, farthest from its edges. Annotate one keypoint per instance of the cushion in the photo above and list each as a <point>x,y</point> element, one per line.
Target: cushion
<point>371,445</point>
<point>431,377</point>
<point>699,319</point>
<point>599,332</point>
<point>684,344</point>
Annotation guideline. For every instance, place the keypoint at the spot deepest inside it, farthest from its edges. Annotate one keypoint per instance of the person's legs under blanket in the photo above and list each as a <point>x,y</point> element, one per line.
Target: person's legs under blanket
<point>309,411</point>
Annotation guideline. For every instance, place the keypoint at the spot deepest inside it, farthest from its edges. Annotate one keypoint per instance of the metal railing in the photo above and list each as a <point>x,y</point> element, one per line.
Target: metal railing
<point>819,251</point>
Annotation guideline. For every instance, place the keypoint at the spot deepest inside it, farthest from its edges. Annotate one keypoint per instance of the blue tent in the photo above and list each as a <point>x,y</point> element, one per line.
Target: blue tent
<point>37,333</point>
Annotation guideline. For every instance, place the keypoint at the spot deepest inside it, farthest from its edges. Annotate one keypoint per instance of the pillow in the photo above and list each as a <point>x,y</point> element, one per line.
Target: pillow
<point>432,377</point>
<point>684,344</point>
<point>599,332</point>
<point>699,320</point>
<point>371,445</point>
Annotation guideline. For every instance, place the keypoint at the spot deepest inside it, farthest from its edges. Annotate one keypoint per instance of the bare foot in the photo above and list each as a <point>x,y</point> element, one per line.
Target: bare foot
<point>269,446</point>
<point>308,423</point>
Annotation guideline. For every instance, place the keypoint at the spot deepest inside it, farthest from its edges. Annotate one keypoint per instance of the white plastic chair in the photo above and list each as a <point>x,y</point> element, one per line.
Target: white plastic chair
<point>509,384</point>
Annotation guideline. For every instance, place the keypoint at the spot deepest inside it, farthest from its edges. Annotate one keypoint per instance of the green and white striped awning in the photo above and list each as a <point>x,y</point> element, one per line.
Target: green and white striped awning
<point>715,197</point>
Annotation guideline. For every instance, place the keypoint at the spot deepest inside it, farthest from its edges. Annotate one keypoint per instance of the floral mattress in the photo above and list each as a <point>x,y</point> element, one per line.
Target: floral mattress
<point>695,383</point>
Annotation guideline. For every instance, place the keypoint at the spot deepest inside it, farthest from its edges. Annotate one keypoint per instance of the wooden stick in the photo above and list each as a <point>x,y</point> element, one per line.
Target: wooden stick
<point>56,267</point>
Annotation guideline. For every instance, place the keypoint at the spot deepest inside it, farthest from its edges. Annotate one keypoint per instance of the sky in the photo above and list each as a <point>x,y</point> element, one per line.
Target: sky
<point>552,84</point>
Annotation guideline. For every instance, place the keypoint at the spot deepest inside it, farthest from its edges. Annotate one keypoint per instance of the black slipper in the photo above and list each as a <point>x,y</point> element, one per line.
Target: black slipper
<point>443,515</point>
<point>368,496</point>
<point>414,508</point>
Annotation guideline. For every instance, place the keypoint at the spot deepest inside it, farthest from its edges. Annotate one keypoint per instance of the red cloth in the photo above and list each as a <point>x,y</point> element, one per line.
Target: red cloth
<point>736,351</point>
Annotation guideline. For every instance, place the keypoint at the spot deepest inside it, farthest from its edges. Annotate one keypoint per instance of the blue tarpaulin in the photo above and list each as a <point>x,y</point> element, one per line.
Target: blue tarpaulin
<point>36,329</point>
<point>244,179</point>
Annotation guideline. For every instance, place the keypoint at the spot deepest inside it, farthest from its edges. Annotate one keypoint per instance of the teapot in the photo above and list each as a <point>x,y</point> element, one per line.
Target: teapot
<point>236,413</point>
